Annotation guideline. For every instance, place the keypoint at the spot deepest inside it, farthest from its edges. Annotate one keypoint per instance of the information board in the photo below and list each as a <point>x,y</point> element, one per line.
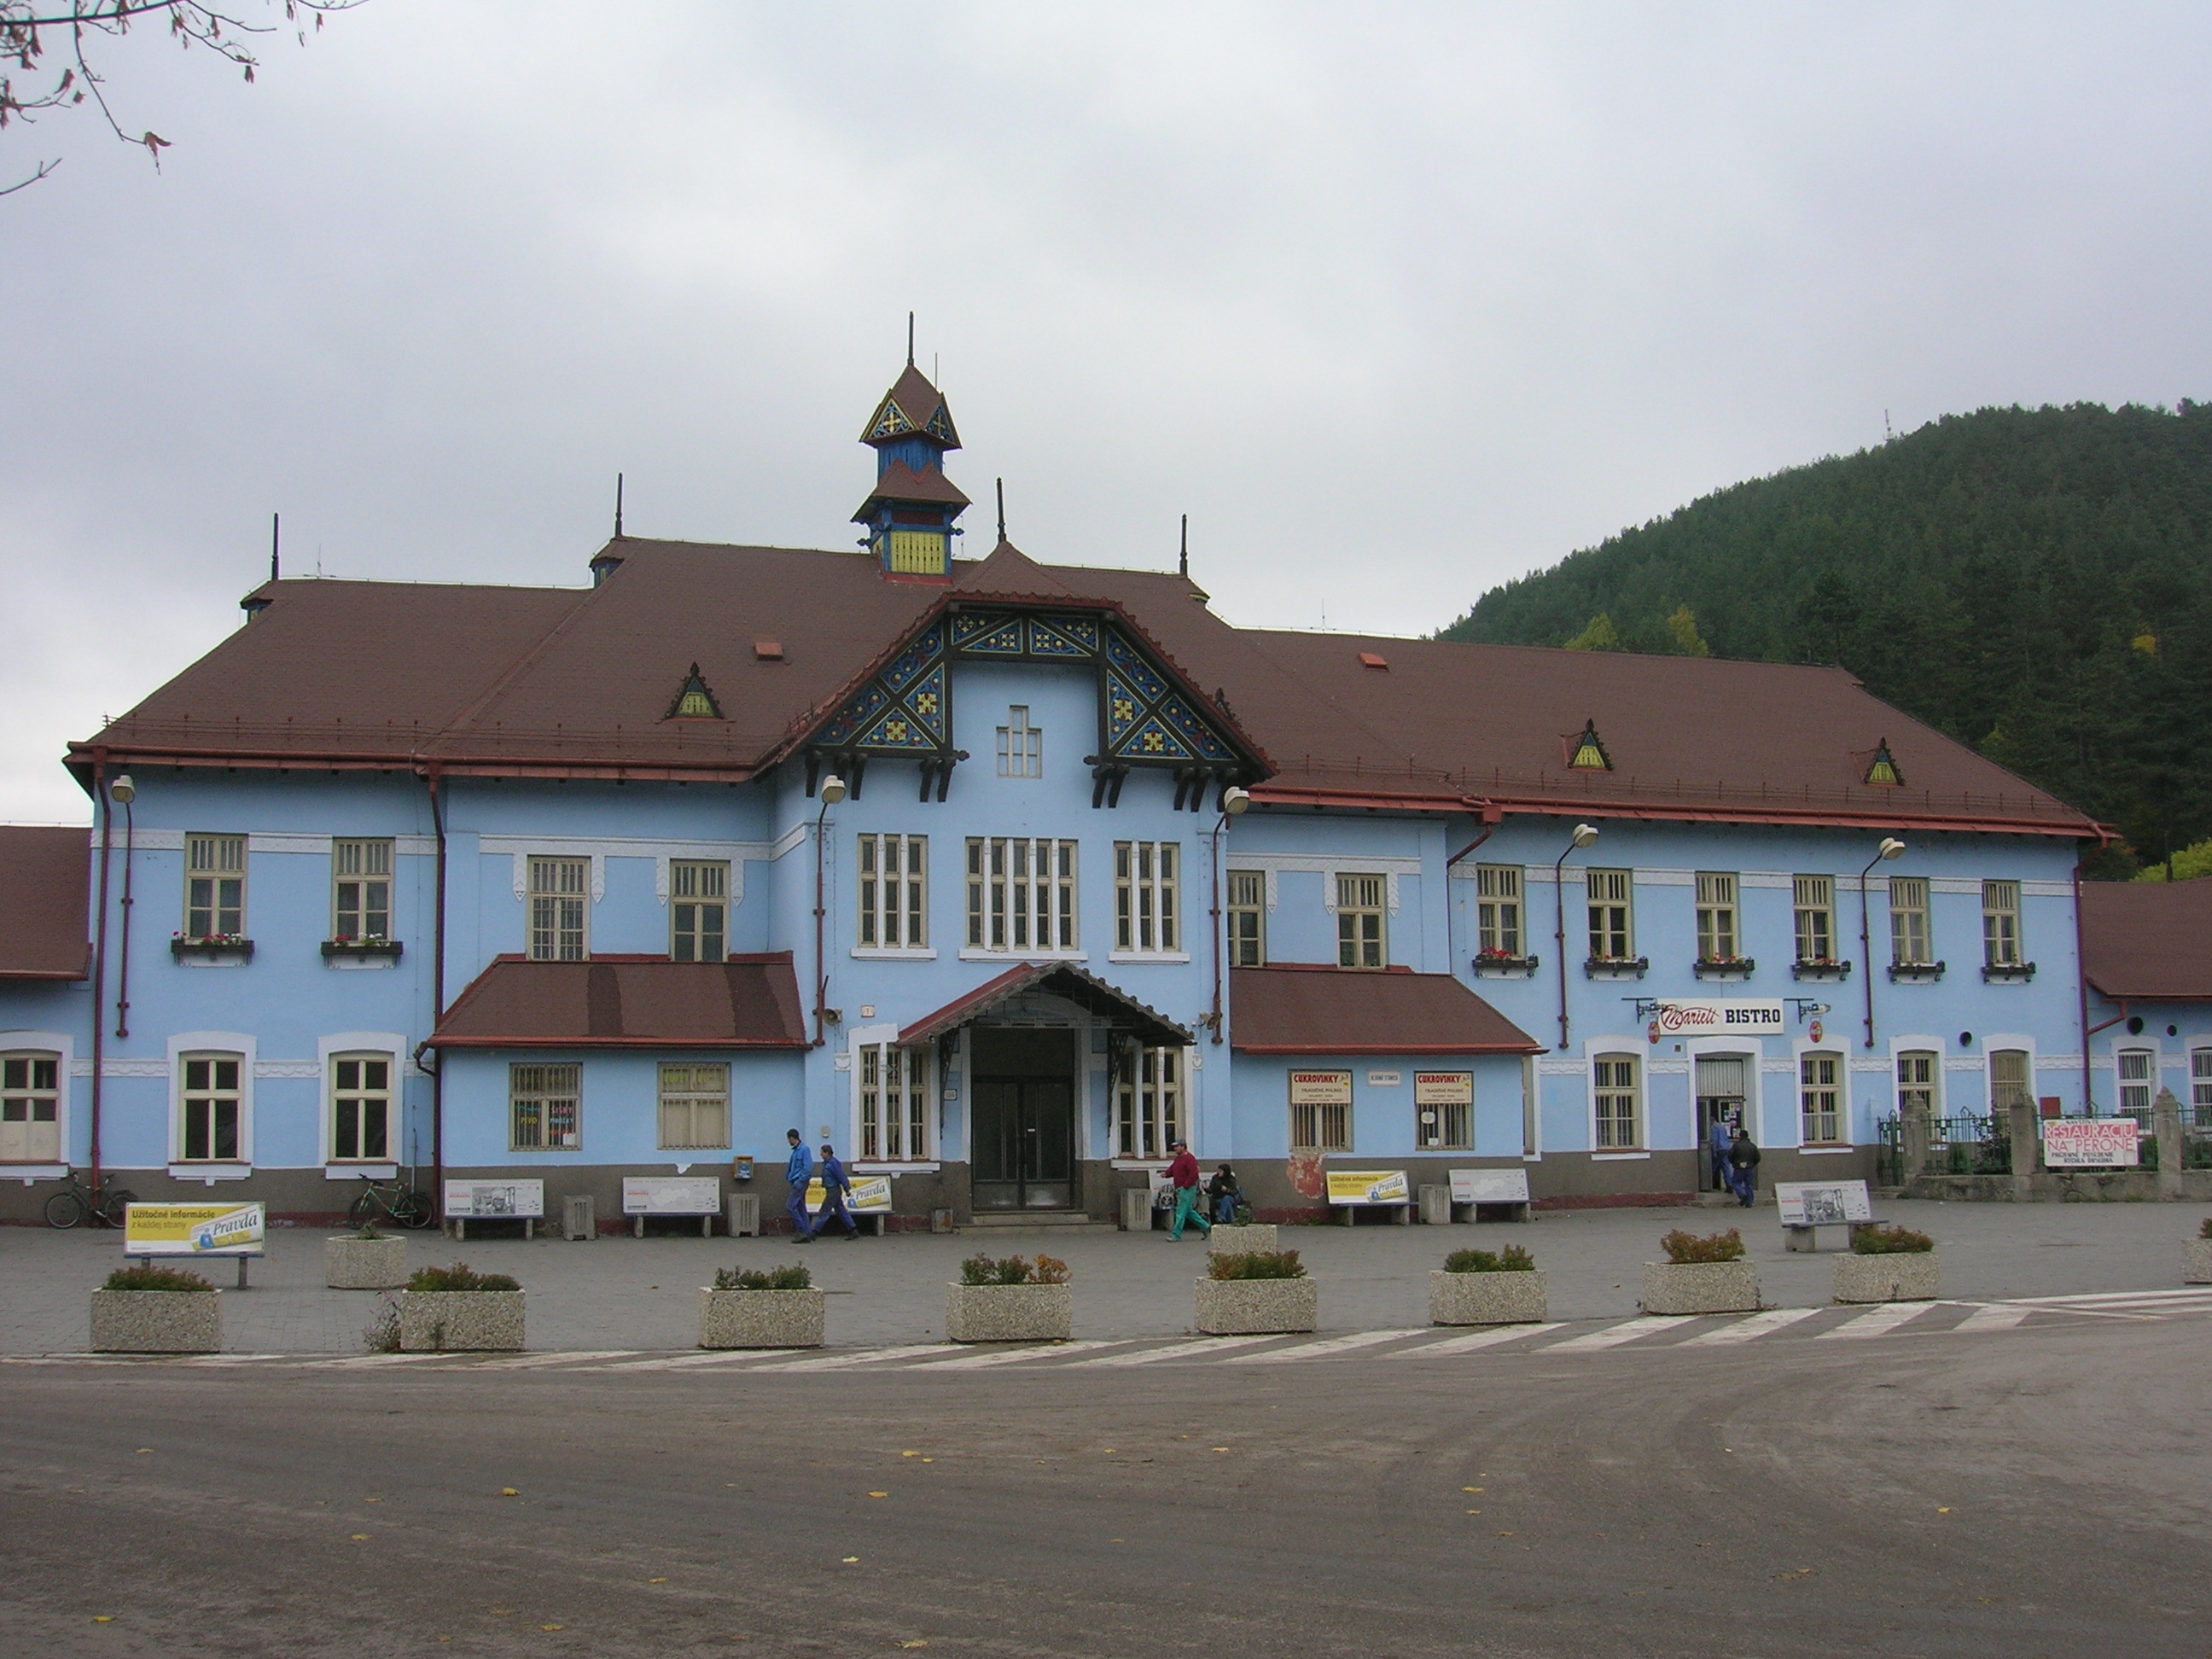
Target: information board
<point>1704,1019</point>
<point>1444,1088</point>
<point>518,1201</point>
<point>195,1230</point>
<point>1822,1203</point>
<point>671,1195</point>
<point>1355,1187</point>
<point>2091,1143</point>
<point>1490,1186</point>
<point>1321,1088</point>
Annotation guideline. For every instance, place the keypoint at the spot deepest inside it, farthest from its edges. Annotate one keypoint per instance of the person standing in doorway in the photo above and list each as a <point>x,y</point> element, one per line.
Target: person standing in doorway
<point>797,1172</point>
<point>1743,1167</point>
<point>1182,1175</point>
<point>835,1187</point>
<point>1720,1141</point>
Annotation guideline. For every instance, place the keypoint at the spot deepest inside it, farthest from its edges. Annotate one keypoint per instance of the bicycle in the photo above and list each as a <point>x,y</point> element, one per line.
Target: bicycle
<point>74,1202</point>
<point>393,1201</point>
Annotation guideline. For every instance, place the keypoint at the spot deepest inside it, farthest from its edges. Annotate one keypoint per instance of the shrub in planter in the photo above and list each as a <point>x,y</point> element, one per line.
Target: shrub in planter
<point>366,1261</point>
<point>1256,1293</point>
<point>777,1309</point>
<point>1012,1300</point>
<point>456,1310</point>
<point>1243,1238</point>
<point>1887,1264</point>
<point>1701,1276</point>
<point>156,1310</point>
<point>2197,1255</point>
<point>1476,1287</point>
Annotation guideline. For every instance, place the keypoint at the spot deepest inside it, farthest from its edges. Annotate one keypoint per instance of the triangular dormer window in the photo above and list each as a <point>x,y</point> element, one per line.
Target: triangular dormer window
<point>890,421</point>
<point>1883,773</point>
<point>940,427</point>
<point>694,701</point>
<point>1586,754</point>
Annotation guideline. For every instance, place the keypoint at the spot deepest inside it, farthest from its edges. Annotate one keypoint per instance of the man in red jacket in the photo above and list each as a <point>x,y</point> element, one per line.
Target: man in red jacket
<point>1182,1175</point>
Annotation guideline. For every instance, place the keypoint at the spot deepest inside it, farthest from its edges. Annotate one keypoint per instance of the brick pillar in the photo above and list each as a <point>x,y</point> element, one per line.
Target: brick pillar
<point>2173,1149</point>
<point>2027,1149</point>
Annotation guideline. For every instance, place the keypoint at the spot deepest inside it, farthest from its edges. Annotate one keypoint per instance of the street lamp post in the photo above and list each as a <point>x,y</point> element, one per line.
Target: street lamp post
<point>832,791</point>
<point>1584,835</point>
<point>1889,849</point>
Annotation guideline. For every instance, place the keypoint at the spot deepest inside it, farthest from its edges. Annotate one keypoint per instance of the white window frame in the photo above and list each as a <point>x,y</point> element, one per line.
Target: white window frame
<point>336,1093</point>
<point>893,1124</point>
<point>891,896</point>
<point>1932,1046</point>
<point>1501,910</point>
<point>2146,1085</point>
<point>1836,1086</point>
<point>246,1049</point>
<point>385,1045</point>
<point>1253,909</point>
<point>692,1097</point>
<point>2003,1042</point>
<point>1720,934</point>
<point>1148,902</point>
<point>698,873</point>
<point>1610,898</point>
<point>1611,1058</point>
<point>366,853</point>
<point>555,892</point>
<point>1911,896</point>
<point>30,1056</point>
<point>208,855</point>
<point>1363,897</point>
<point>1021,745</point>
<point>2001,925</point>
<point>1151,1099</point>
<point>548,1090</point>
<point>1008,901</point>
<point>1813,917</point>
<point>2200,1087</point>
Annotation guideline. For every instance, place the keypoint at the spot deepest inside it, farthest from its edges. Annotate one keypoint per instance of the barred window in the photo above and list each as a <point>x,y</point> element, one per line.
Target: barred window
<point>30,1108</point>
<point>1021,895</point>
<point>894,908</point>
<point>361,890</point>
<point>1497,903</point>
<point>1147,1101</point>
<point>1248,918</point>
<point>894,1089</point>
<point>698,909</point>
<point>360,1107</point>
<point>1147,920</point>
<point>2007,1078</point>
<point>211,1104</point>
<point>1816,917</point>
<point>1909,938</point>
<point>214,886</point>
<point>2001,924</point>
<point>1611,931</point>
<point>1613,1088</point>
<point>1444,1111</point>
<point>544,1108</point>
<point>1716,931</point>
<point>1359,938</point>
<point>1321,1111</point>
<point>694,1105</point>
<point>1820,1099</point>
<point>558,908</point>
<point>1915,1081</point>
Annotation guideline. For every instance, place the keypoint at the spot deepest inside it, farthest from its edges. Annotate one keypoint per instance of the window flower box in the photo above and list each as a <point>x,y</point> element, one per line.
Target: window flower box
<point>1918,973</point>
<point>355,1261</point>
<point>1616,967</point>
<point>1257,1307</point>
<point>1825,969</point>
<point>1730,968</point>
<point>359,948</point>
<point>1254,1238</point>
<point>761,1319</point>
<point>2008,973</point>
<point>157,1322</point>
<point>214,947</point>
<point>1501,964</point>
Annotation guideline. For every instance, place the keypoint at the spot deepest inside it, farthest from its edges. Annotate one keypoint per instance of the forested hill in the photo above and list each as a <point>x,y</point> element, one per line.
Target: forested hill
<point>2037,583</point>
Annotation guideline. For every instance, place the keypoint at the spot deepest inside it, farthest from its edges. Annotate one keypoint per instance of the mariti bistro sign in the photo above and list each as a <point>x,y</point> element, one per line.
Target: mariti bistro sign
<point>1718,1019</point>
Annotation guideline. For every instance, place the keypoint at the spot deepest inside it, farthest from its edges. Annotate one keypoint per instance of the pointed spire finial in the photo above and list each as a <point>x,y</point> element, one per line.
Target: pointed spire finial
<point>1183,559</point>
<point>276,544</point>
<point>618,496</point>
<point>1002,510</point>
<point>909,339</point>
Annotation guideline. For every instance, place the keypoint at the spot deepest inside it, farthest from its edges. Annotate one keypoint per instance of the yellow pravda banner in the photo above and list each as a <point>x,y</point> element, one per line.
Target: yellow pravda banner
<point>193,1229</point>
<point>1367,1187</point>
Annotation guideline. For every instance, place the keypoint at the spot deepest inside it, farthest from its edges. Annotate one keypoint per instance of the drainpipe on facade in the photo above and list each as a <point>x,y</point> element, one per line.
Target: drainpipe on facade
<point>2081,991</point>
<point>1491,819</point>
<point>437,1007</point>
<point>99,959</point>
<point>123,790</point>
<point>1234,800</point>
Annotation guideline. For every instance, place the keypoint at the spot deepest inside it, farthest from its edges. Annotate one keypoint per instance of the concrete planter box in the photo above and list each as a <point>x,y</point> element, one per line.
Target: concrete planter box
<point>355,1263</point>
<point>1514,1298</point>
<point>760,1319</point>
<point>1700,1287</point>
<point>460,1322</point>
<point>1257,1239</point>
<point>1009,1313</point>
<point>1255,1307</point>
<point>1900,1276</point>
<point>2196,1262</point>
<point>156,1321</point>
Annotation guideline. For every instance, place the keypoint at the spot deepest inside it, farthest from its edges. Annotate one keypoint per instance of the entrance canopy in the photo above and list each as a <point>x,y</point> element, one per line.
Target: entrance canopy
<point>1059,979</point>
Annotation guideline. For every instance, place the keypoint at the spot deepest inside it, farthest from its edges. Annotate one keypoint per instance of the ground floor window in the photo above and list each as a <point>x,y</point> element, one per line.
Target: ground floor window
<point>1916,1082</point>
<point>2138,1072</point>
<point>1147,1102</point>
<point>1613,1088</point>
<point>894,1102</point>
<point>361,1107</point>
<point>2009,1079</point>
<point>545,1108</point>
<point>695,1107</point>
<point>1321,1111</point>
<point>1444,1111</point>
<point>1820,1099</point>
<point>2200,1086</point>
<point>30,1108</point>
<point>211,1101</point>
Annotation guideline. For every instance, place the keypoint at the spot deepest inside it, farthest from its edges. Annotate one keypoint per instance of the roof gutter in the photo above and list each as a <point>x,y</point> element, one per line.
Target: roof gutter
<point>1387,1048</point>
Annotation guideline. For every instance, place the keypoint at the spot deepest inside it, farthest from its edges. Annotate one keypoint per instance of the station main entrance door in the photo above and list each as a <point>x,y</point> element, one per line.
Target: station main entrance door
<point>1022,1118</point>
<point>1723,1098</point>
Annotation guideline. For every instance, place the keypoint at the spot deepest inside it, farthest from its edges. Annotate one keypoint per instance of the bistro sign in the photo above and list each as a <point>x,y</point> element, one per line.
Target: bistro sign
<point>1719,1018</point>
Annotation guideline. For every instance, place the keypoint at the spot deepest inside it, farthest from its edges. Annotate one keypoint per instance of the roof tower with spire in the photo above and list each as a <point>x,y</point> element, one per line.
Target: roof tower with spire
<point>909,514</point>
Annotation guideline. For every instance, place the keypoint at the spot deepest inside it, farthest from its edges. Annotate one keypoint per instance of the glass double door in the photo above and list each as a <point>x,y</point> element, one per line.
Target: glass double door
<point>1022,1120</point>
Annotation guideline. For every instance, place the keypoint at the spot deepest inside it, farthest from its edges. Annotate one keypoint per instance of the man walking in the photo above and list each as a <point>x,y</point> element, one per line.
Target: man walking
<point>798,1171</point>
<point>1743,1167</point>
<point>1182,1175</point>
<point>835,1186</point>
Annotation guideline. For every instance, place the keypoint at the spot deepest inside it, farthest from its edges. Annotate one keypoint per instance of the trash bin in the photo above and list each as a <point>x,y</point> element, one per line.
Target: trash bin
<point>744,1215</point>
<point>940,1221</point>
<point>1435,1206</point>
<point>1136,1210</point>
<point>579,1217</point>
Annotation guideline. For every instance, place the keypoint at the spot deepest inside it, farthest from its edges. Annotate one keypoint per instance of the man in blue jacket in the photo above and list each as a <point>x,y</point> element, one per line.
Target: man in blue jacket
<point>798,1171</point>
<point>835,1185</point>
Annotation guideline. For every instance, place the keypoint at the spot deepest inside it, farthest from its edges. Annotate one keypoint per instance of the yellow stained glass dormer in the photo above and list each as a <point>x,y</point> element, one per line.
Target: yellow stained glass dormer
<point>694,701</point>
<point>1588,754</point>
<point>1882,772</point>
<point>890,421</point>
<point>917,553</point>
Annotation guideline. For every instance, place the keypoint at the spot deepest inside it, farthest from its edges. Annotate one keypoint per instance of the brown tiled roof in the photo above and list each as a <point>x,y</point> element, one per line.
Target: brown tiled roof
<point>577,683</point>
<point>917,400</point>
<point>628,1002</point>
<point>1299,1010</point>
<point>2150,940</point>
<point>45,903</point>
<point>901,483</point>
<point>1059,979</point>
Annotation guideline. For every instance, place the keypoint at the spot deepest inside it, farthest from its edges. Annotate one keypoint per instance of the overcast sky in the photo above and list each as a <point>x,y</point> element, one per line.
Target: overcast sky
<point>1396,302</point>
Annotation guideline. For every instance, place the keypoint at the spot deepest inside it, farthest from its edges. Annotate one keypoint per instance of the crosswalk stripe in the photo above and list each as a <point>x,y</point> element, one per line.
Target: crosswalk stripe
<point>975,1362</point>
<point>1335,1345</point>
<point>917,1351</point>
<point>243,1359</point>
<point>362,1362</point>
<point>1177,1351</point>
<point>1991,1317</point>
<point>1878,1321</point>
<point>1628,1331</point>
<point>528,1362</point>
<point>1468,1344</point>
<point>1751,1327</point>
<point>692,1361</point>
<point>2183,1293</point>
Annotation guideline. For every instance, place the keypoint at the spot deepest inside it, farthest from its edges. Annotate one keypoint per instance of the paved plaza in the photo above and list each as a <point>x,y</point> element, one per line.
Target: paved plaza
<point>621,1294</point>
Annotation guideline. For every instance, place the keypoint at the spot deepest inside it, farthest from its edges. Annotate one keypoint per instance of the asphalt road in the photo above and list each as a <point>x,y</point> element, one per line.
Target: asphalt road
<point>2042,1491</point>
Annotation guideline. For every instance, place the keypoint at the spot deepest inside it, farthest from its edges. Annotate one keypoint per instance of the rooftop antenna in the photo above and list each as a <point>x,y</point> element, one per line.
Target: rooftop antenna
<point>909,339</point>
<point>618,494</point>
<point>1002,510</point>
<point>276,544</point>
<point>1183,559</point>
